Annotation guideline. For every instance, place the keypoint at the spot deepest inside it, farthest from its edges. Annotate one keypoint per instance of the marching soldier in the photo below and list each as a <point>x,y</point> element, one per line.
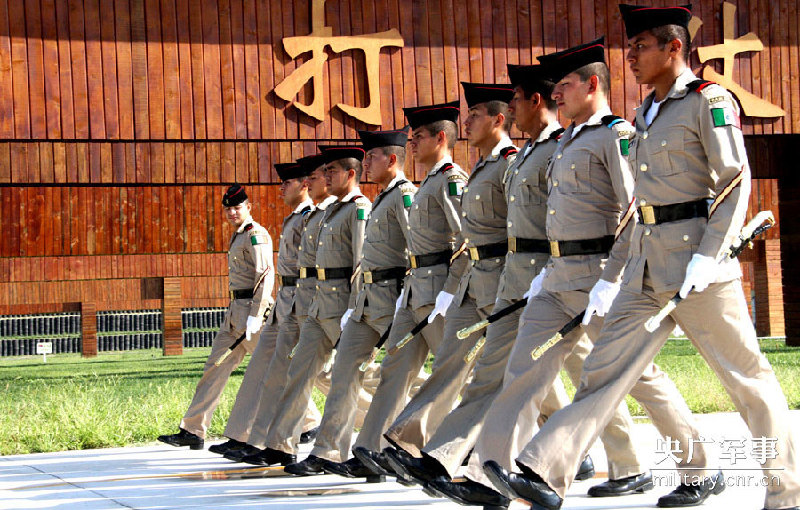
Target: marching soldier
<point>692,182</point>
<point>337,265</point>
<point>289,330</point>
<point>434,225</point>
<point>251,277</point>
<point>383,267</point>
<point>294,191</point>
<point>589,206</point>
<point>483,228</point>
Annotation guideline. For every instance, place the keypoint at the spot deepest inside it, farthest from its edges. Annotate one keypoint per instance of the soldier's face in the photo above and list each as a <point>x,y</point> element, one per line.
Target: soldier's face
<point>423,145</point>
<point>375,165</point>
<point>572,95</point>
<point>479,125</point>
<point>648,61</point>
<point>237,214</point>
<point>522,110</point>
<point>317,187</point>
<point>337,178</point>
<point>291,189</point>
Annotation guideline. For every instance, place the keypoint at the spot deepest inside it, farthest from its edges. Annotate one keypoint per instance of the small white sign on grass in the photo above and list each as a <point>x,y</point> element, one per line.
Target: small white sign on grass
<point>44,348</point>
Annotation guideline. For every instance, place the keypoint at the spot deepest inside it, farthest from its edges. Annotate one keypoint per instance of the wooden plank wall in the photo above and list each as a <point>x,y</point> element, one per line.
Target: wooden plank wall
<point>121,121</point>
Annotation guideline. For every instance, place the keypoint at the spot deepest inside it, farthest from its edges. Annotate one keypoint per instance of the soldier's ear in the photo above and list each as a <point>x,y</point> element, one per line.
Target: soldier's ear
<point>594,83</point>
<point>392,159</point>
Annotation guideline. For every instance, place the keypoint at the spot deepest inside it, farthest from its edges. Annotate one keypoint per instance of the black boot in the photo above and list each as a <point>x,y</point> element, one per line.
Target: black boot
<point>183,438</point>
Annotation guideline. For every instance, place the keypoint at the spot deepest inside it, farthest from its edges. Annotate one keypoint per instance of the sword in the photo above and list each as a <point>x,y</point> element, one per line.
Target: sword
<point>568,327</point>
<point>411,334</point>
<point>465,332</point>
<point>230,350</point>
<point>475,349</point>
<point>762,221</point>
<point>376,350</point>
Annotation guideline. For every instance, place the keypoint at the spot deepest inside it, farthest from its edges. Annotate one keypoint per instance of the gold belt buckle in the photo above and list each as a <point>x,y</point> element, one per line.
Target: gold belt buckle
<point>554,250</point>
<point>321,274</point>
<point>303,272</point>
<point>230,293</point>
<point>473,253</point>
<point>648,215</point>
<point>512,244</point>
<point>367,276</point>
<point>280,280</point>
<point>414,262</point>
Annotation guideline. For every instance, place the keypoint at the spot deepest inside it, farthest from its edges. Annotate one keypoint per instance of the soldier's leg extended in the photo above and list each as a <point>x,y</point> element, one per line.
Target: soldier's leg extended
<point>209,389</point>
<point>718,323</point>
<point>336,430</point>
<point>398,372</point>
<point>245,406</point>
<point>455,437</point>
<point>317,338</point>
<point>421,417</point>
<point>512,417</point>
<point>620,363</point>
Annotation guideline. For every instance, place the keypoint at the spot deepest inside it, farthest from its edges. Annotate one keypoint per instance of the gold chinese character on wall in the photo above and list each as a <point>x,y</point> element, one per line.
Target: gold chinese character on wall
<point>315,42</point>
<point>752,105</point>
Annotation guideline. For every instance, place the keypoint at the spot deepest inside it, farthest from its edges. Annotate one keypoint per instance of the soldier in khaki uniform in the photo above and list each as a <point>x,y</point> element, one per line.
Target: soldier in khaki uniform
<point>289,330</point>
<point>589,204</point>
<point>338,256</point>
<point>383,266</point>
<point>434,226</point>
<point>294,191</point>
<point>525,192</point>
<point>483,228</point>
<point>251,277</point>
<point>692,186</point>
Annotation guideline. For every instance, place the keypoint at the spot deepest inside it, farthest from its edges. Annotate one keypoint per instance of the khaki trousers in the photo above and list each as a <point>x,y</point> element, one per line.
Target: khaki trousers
<point>717,322</point>
<point>209,389</point>
<point>274,381</point>
<point>398,372</point>
<point>526,382</point>
<point>455,437</point>
<point>417,422</point>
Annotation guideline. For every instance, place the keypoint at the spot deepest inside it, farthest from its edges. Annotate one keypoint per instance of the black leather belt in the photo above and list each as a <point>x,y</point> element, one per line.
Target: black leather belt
<point>657,214</point>
<point>488,251</point>
<point>308,272</point>
<point>431,259</point>
<point>581,246</point>
<point>520,244</point>
<point>392,273</point>
<point>287,281</point>
<point>331,273</point>
<point>242,294</point>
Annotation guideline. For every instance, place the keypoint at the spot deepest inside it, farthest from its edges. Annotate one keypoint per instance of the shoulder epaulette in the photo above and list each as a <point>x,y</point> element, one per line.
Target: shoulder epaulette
<point>247,227</point>
<point>555,135</point>
<point>305,210</point>
<point>610,120</point>
<point>446,167</point>
<point>508,151</point>
<point>698,85</point>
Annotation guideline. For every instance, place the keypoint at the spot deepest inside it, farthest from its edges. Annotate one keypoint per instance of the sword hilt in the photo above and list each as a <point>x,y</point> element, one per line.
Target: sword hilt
<point>465,332</point>
<point>294,351</point>
<point>654,322</point>
<point>364,366</point>
<point>223,358</point>
<point>537,353</point>
<point>328,364</point>
<point>475,349</point>
<point>402,343</point>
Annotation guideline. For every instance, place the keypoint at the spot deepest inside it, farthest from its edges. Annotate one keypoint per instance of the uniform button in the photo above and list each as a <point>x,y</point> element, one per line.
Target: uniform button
<point>524,179</point>
<point>416,206</point>
<point>324,225</point>
<point>685,238</point>
<point>429,271</point>
<point>533,262</point>
<point>464,213</point>
<point>645,135</point>
<point>477,197</point>
<point>555,184</point>
<point>316,265</point>
<point>572,166</point>
<point>317,287</point>
<point>509,224</point>
<point>299,248</point>
<point>496,261</point>
<point>333,289</point>
<point>466,188</point>
<point>309,236</point>
<point>642,202</point>
<point>466,240</point>
<point>552,211</point>
<point>408,227</point>
<point>643,167</point>
<point>376,220</point>
<point>647,231</point>
<point>320,243</point>
<point>516,172</point>
<point>663,143</point>
<point>558,156</point>
<point>511,199</point>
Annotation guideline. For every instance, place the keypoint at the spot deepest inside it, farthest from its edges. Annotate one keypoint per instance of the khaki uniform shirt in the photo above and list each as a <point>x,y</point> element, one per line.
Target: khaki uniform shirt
<point>689,152</point>
<point>590,188</point>
<point>250,268</point>
<point>307,255</point>
<point>526,193</point>
<point>483,221</point>
<point>385,242</point>
<point>434,224</point>
<point>291,233</point>
<point>341,236</point>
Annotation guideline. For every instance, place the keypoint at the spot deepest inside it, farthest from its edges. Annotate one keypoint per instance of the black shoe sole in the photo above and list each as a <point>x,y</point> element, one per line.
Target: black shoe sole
<point>610,494</point>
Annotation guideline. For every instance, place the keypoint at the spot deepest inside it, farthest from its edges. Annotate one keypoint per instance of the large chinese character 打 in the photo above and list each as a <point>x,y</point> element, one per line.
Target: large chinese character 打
<point>312,69</point>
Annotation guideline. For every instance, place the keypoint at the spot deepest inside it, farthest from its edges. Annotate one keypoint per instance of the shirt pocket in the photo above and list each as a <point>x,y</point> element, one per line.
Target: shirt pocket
<point>666,150</point>
<point>680,240</point>
<point>478,202</point>
<point>421,214</point>
<point>332,237</point>
<point>378,227</point>
<point>575,174</point>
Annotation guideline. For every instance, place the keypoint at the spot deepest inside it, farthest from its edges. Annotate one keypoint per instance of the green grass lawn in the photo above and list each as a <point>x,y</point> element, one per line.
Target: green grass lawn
<point>132,397</point>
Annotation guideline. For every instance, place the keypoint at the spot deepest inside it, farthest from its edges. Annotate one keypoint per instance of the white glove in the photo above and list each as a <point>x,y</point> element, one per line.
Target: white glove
<point>700,271</point>
<point>600,298</point>
<point>443,300</point>
<point>399,304</point>
<point>345,318</point>
<point>536,285</point>
<point>253,325</point>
